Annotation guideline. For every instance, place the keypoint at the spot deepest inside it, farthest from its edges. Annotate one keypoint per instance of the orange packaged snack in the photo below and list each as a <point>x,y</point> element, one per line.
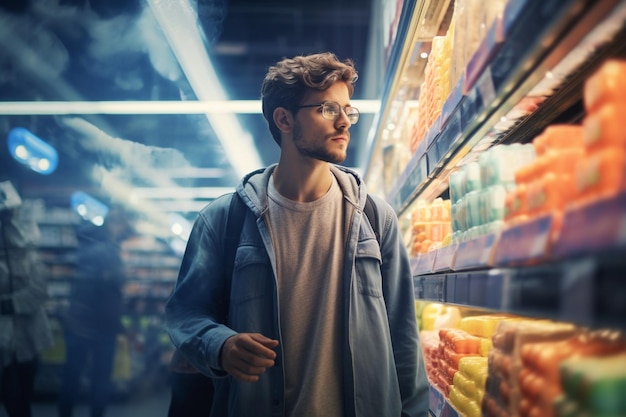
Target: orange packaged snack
<point>606,85</point>
<point>550,194</point>
<point>526,173</point>
<point>532,171</point>
<point>601,174</point>
<point>453,358</point>
<point>563,161</point>
<point>605,127</point>
<point>559,137</point>
<point>540,377</point>
<point>460,341</point>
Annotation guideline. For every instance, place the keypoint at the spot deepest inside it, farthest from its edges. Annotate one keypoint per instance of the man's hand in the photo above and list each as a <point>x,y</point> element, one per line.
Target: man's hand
<point>247,355</point>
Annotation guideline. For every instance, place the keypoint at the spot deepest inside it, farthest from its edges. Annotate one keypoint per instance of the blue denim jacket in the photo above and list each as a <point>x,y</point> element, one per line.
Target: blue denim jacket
<point>381,378</point>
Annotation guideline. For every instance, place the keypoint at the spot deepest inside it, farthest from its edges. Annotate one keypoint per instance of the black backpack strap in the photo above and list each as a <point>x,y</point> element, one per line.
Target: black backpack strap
<point>234,224</point>
<point>372,216</point>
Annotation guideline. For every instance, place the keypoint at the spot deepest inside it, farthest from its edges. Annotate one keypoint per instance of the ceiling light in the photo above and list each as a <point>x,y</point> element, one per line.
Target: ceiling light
<point>88,207</point>
<point>26,148</point>
<point>217,107</point>
<point>180,26</point>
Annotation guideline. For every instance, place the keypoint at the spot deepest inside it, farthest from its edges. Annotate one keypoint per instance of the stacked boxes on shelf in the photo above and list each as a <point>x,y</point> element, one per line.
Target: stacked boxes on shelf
<point>502,391</point>
<point>540,379</point>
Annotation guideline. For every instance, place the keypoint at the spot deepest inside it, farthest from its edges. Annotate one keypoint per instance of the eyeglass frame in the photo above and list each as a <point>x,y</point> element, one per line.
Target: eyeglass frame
<point>324,103</point>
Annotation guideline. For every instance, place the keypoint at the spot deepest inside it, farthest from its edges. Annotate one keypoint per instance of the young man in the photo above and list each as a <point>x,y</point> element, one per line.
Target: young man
<point>318,317</point>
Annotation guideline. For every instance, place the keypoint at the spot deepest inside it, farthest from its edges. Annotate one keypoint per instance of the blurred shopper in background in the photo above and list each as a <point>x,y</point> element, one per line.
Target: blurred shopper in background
<point>24,328</point>
<point>318,317</point>
<point>93,319</point>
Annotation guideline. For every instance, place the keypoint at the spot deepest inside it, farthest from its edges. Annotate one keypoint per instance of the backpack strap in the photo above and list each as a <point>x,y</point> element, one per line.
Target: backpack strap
<point>234,224</point>
<point>372,216</point>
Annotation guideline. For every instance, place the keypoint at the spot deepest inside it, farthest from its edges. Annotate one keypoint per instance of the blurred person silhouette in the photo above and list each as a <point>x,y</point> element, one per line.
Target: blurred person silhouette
<point>24,328</point>
<point>92,321</point>
<point>318,316</point>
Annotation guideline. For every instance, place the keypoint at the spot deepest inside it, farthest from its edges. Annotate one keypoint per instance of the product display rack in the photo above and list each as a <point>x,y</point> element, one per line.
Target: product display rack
<point>587,291</point>
<point>538,52</point>
<point>523,66</point>
<point>57,245</point>
<point>151,271</point>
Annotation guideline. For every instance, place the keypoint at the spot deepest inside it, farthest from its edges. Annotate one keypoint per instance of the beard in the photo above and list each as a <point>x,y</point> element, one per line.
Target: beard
<point>315,149</point>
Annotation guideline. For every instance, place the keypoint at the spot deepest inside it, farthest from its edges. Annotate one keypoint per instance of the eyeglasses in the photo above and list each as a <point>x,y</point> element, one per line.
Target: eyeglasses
<point>331,110</point>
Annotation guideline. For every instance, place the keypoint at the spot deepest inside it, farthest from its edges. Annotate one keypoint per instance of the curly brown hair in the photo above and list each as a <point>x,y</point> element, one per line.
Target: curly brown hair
<point>287,82</point>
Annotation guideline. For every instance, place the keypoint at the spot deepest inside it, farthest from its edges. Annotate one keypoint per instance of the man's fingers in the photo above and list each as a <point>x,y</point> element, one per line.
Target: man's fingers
<point>264,346</point>
<point>245,356</point>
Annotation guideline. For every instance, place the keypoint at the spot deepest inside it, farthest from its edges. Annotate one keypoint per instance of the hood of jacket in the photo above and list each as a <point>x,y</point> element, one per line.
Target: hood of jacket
<point>253,187</point>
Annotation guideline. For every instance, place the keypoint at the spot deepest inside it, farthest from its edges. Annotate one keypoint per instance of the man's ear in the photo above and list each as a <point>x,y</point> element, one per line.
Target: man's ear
<point>283,119</point>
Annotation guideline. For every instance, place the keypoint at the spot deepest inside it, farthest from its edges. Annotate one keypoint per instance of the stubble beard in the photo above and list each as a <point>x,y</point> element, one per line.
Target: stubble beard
<point>315,150</point>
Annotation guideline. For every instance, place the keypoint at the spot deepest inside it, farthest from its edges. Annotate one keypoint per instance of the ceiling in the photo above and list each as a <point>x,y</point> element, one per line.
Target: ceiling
<point>139,52</point>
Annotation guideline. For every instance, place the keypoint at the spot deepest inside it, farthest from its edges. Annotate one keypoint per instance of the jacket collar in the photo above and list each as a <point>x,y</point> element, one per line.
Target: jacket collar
<point>253,187</point>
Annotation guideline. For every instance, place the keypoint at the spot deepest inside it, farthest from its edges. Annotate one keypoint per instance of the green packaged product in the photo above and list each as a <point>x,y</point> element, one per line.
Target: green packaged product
<point>598,384</point>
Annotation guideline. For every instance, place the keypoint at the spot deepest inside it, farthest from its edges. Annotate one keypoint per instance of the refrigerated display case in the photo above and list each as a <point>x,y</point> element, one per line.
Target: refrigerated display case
<point>474,103</point>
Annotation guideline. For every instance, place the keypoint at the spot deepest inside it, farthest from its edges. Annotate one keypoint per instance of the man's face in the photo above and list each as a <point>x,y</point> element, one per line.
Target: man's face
<point>320,138</point>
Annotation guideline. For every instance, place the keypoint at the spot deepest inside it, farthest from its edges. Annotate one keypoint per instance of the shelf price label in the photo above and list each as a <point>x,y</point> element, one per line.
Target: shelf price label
<point>524,242</point>
<point>577,291</point>
<point>445,258</point>
<point>476,252</point>
<point>593,227</point>
<point>434,287</point>
<point>486,87</point>
<point>413,182</point>
<point>437,401</point>
<point>424,263</point>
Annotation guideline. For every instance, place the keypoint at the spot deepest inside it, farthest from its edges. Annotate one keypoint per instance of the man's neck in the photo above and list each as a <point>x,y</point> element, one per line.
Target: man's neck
<point>302,183</point>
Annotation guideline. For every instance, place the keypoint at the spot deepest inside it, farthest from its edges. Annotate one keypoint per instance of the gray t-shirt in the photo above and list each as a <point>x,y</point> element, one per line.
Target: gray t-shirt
<point>309,242</point>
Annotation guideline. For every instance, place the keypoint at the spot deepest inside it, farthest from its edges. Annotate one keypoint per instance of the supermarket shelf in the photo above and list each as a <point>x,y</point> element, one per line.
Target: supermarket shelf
<point>575,275</point>
<point>537,240</point>
<point>589,290</point>
<point>439,406</point>
<point>419,21</point>
<point>518,67</point>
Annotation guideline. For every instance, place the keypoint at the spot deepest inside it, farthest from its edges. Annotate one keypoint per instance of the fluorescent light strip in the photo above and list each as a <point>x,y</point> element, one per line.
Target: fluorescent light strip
<point>179,22</point>
<point>11,108</point>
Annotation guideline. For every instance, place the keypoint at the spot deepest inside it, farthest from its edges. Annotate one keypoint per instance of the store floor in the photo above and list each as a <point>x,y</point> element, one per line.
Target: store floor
<point>149,404</point>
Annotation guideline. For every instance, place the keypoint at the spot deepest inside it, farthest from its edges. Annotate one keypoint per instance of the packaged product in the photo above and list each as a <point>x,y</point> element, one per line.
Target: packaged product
<point>430,348</point>
<point>559,137</point>
<point>502,390</point>
<point>539,379</point>
<point>468,389</point>
<point>607,84</point>
<point>594,386</point>
<point>601,174</point>
<point>605,127</point>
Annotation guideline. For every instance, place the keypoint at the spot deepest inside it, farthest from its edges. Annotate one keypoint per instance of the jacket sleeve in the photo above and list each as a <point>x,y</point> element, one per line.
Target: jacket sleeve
<point>198,305</point>
<point>400,301</point>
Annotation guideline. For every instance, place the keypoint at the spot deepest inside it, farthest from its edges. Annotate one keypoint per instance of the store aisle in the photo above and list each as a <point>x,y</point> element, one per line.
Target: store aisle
<point>152,404</point>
